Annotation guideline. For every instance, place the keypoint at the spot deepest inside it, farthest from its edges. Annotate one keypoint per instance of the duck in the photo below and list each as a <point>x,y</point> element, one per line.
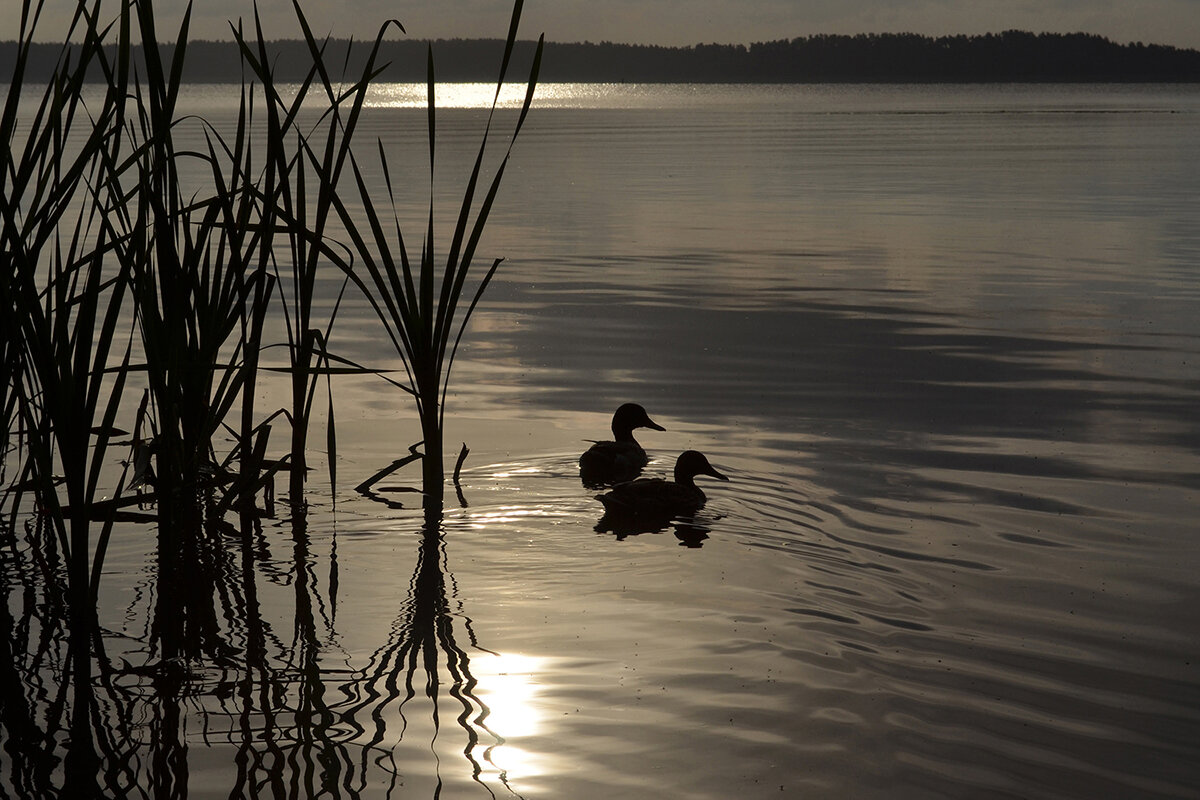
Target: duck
<point>608,463</point>
<point>656,498</point>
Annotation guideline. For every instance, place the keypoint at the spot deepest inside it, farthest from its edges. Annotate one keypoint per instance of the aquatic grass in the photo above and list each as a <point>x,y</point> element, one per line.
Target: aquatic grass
<point>185,297</point>
<point>201,285</point>
<point>116,271</point>
<point>63,336</point>
<point>41,175</point>
<point>242,303</point>
<point>65,292</point>
<point>422,311</point>
<point>293,213</point>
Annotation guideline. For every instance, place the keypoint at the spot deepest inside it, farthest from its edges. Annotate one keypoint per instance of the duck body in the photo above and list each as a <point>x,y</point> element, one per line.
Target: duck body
<point>652,498</point>
<point>656,498</point>
<point>608,463</point>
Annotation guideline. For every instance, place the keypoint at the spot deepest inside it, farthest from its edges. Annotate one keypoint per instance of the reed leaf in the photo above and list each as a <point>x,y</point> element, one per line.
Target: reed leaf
<point>57,334</point>
<point>323,153</point>
<point>419,308</point>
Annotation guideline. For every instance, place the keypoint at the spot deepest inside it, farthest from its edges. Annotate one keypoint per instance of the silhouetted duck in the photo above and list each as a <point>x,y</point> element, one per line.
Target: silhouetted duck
<point>658,498</point>
<point>606,463</point>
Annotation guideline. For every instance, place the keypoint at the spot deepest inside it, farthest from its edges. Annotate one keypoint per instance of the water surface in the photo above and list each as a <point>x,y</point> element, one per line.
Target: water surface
<point>944,342</point>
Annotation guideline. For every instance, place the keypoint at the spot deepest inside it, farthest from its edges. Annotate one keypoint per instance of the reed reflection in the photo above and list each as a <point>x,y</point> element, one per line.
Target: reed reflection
<point>423,655</point>
<point>289,738</point>
<point>65,727</point>
<point>76,722</point>
<point>507,686</point>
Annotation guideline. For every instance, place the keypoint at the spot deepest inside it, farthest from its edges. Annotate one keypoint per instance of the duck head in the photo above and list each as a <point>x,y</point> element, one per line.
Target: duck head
<point>692,463</point>
<point>630,416</point>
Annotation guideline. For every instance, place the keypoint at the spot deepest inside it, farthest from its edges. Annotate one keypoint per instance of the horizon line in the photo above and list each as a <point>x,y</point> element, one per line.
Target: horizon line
<point>613,43</point>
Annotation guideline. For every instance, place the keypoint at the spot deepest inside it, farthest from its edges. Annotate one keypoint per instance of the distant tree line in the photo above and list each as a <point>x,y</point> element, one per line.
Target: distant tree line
<point>1012,56</point>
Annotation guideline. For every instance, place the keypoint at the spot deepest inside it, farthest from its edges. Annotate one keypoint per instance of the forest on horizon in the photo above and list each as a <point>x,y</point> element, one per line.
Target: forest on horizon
<point>1011,56</point>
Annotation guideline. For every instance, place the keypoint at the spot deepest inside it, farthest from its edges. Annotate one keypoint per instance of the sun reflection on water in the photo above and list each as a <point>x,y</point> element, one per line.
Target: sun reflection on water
<point>624,96</point>
<point>508,686</point>
<point>447,95</point>
<point>517,471</point>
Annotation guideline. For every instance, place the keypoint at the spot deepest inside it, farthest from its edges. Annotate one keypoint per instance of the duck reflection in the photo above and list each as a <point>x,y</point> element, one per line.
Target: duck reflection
<point>690,533</point>
<point>650,505</point>
<point>608,463</point>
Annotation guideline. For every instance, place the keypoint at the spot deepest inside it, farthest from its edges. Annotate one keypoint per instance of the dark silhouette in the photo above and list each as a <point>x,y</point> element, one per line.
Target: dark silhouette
<point>1011,56</point>
<point>606,463</point>
<point>690,533</point>
<point>651,503</point>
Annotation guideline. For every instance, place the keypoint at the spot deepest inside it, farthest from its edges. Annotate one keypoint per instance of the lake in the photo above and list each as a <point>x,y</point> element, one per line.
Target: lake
<point>943,340</point>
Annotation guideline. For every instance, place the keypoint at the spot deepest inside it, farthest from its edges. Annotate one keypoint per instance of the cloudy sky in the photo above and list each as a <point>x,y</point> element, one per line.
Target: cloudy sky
<point>684,22</point>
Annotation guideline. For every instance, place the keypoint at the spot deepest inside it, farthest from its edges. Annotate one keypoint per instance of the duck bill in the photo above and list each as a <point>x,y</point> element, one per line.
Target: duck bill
<point>716,474</point>
<point>654,426</point>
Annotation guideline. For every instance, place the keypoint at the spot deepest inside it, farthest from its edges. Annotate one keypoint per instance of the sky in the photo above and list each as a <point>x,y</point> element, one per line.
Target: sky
<point>681,22</point>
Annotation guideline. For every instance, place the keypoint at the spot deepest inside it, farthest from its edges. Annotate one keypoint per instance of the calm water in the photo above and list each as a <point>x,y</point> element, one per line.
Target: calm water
<point>945,341</point>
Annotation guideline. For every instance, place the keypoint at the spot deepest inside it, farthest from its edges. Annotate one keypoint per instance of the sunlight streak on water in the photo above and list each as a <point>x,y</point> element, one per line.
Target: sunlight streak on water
<point>447,95</point>
<point>509,686</point>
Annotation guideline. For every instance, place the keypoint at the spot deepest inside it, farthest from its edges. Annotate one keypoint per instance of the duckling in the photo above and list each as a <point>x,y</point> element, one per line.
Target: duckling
<point>658,498</point>
<point>606,463</point>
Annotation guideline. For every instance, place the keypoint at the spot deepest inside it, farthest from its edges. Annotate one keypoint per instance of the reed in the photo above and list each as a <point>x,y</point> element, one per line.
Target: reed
<point>101,243</point>
<point>194,275</point>
<point>64,333</point>
<point>424,305</point>
<point>297,216</point>
<point>189,259</point>
<point>118,271</point>
<point>249,227</point>
<point>202,271</point>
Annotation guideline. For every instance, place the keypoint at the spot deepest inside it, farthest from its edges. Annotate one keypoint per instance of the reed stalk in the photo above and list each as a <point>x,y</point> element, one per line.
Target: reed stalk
<point>190,277</point>
<point>293,213</point>
<point>200,278</point>
<point>64,331</point>
<point>63,336</point>
<point>423,304</point>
